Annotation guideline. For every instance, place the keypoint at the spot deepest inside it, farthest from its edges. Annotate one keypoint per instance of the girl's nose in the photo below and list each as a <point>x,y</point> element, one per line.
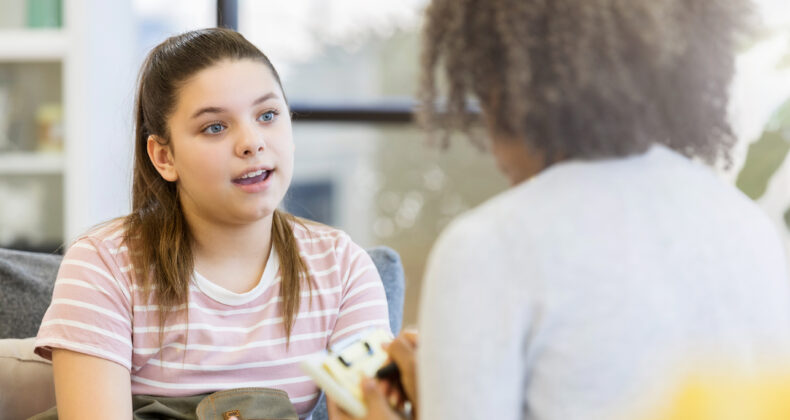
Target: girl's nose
<point>250,143</point>
<point>249,150</point>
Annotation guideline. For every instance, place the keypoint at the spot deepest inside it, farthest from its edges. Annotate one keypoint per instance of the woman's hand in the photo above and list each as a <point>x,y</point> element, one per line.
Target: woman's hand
<point>375,400</point>
<point>402,350</point>
<point>378,394</point>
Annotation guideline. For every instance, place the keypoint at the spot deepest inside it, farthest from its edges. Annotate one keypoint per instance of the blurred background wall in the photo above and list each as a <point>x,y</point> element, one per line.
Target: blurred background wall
<point>349,69</point>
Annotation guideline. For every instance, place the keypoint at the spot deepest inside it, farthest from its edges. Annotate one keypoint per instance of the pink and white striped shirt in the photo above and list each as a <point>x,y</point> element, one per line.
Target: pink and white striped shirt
<point>234,340</point>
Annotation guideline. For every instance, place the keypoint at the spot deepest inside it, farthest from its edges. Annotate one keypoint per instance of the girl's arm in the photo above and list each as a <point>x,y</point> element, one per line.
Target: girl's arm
<point>363,303</point>
<point>88,387</point>
<point>87,332</point>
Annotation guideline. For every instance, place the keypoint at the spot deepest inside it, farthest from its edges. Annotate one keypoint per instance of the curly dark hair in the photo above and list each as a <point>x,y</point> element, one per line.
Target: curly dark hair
<point>586,78</point>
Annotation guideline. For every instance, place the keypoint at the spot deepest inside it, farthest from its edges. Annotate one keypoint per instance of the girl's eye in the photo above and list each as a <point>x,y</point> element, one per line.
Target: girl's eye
<point>215,128</point>
<point>266,116</point>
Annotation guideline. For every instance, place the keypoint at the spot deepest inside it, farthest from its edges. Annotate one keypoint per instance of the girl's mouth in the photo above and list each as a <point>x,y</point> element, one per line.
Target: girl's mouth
<point>253,177</point>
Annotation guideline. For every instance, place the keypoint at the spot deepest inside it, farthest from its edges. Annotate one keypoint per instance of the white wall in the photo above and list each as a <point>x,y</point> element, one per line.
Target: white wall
<point>99,78</point>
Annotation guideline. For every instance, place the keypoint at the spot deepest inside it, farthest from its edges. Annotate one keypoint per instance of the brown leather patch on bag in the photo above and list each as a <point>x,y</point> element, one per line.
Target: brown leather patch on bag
<point>254,403</point>
<point>232,414</point>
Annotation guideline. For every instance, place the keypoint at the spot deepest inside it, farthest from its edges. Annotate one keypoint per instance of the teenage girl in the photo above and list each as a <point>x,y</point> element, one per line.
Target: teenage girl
<point>206,285</point>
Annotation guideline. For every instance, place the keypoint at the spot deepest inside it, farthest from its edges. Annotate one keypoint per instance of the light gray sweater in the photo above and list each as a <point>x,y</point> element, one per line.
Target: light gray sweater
<point>586,292</point>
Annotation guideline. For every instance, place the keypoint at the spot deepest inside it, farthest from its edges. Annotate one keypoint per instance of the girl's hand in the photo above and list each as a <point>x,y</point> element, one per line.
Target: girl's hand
<point>375,400</point>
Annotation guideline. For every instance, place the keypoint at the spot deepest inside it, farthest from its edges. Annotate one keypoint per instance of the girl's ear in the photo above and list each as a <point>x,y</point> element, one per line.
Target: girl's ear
<point>162,157</point>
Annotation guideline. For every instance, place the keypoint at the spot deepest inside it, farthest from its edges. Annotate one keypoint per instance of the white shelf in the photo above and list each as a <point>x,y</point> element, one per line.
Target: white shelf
<point>31,163</point>
<point>96,50</point>
<point>32,44</point>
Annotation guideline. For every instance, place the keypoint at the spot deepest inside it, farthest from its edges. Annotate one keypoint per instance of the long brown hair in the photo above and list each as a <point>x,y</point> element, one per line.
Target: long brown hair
<point>157,233</point>
<point>586,78</point>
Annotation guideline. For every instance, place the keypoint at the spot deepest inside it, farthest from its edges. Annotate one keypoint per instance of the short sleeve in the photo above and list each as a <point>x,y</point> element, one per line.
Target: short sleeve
<point>363,302</point>
<point>91,308</point>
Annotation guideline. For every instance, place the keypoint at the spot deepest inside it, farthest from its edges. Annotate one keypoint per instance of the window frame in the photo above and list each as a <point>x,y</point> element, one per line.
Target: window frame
<point>390,112</point>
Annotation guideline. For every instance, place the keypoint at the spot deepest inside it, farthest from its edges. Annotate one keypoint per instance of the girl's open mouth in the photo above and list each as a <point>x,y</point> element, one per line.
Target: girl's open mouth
<point>253,177</point>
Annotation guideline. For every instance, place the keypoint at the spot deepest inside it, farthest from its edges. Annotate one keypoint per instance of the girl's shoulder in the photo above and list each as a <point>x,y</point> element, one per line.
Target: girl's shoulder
<point>306,230</point>
<point>317,238</point>
<point>108,238</point>
<point>100,258</point>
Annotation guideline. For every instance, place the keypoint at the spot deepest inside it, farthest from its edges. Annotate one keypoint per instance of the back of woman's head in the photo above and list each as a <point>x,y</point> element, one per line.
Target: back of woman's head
<point>587,78</point>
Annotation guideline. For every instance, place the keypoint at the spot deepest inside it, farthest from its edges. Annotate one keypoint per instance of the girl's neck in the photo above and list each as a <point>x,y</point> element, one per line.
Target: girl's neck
<point>221,244</point>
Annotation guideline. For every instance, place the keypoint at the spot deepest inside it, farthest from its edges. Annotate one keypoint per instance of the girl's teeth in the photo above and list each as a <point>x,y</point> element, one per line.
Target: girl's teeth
<point>253,174</point>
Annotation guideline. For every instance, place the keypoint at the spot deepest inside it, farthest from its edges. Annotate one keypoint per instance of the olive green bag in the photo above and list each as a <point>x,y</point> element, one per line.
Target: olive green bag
<point>241,403</point>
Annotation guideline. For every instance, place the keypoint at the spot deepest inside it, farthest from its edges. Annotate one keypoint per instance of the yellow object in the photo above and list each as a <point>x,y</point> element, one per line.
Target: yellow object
<point>361,359</point>
<point>732,398</point>
<point>339,371</point>
<point>49,127</point>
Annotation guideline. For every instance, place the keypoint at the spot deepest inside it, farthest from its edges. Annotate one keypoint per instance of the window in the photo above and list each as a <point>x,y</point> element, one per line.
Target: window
<point>350,71</point>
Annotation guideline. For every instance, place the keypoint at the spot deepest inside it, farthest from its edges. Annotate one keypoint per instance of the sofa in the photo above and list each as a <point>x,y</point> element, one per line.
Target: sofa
<point>26,282</point>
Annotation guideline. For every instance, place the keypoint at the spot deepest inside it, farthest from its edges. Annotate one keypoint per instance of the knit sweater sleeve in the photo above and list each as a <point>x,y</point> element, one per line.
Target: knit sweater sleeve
<point>473,329</point>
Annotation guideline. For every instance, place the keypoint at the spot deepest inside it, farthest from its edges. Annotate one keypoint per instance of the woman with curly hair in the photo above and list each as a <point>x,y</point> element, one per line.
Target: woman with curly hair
<point>617,260</point>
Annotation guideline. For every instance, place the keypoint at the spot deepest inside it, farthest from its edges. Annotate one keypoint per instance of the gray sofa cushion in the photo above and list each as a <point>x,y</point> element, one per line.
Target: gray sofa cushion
<point>390,269</point>
<point>26,281</point>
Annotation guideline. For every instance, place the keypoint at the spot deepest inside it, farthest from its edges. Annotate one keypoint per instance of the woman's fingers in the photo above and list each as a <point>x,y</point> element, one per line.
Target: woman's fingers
<point>411,335</point>
<point>378,395</point>
<point>335,413</point>
<point>376,401</point>
<point>402,350</point>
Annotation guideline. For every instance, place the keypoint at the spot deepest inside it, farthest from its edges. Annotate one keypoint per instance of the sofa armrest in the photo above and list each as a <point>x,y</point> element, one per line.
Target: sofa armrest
<point>25,380</point>
<point>26,281</point>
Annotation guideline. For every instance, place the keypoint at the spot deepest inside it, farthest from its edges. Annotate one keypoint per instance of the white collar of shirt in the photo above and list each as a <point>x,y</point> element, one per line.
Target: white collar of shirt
<point>225,296</point>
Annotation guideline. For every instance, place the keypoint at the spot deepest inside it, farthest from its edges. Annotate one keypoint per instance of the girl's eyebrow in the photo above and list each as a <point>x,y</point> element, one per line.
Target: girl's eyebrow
<point>217,110</point>
<point>265,98</point>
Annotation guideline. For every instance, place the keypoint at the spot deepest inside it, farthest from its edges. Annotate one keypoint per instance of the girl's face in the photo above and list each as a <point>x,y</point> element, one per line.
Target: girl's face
<point>231,146</point>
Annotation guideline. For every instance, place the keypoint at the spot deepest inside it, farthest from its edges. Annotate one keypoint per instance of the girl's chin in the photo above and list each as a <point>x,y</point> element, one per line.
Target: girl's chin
<point>257,215</point>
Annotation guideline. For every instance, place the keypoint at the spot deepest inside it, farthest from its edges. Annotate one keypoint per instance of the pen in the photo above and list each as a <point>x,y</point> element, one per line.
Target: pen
<point>389,372</point>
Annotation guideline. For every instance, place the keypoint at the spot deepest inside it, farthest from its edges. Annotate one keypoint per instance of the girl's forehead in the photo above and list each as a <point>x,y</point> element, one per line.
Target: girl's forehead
<point>231,72</point>
<point>227,83</point>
